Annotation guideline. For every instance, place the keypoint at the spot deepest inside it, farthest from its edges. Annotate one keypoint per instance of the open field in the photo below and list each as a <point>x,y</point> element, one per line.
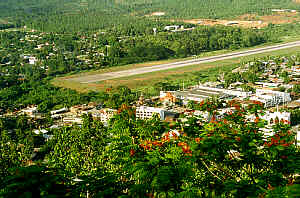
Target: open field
<point>239,23</point>
<point>3,21</point>
<point>160,67</point>
<point>146,81</point>
<point>149,64</point>
<point>249,20</point>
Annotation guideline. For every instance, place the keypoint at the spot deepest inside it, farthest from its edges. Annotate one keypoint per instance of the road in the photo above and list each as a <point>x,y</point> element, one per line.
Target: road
<point>119,74</point>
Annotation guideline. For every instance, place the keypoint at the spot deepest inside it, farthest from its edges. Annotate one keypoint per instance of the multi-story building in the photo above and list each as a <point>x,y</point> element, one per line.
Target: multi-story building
<point>270,97</point>
<point>31,111</point>
<point>272,117</point>
<point>201,93</point>
<point>144,112</point>
<point>168,97</point>
<point>104,114</point>
<point>237,93</point>
<point>72,120</point>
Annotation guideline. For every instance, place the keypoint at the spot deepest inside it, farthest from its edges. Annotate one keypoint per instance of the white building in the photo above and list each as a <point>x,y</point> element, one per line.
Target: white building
<point>268,85</point>
<point>104,114</point>
<point>170,27</point>
<point>72,120</point>
<point>271,98</point>
<point>40,131</point>
<point>62,110</point>
<point>32,60</point>
<point>239,94</point>
<point>270,117</point>
<point>144,112</point>
<point>296,129</point>
<point>203,114</point>
<point>30,111</point>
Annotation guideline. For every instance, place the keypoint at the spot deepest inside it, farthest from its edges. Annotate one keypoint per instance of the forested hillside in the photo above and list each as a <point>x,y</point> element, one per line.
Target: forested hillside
<point>76,15</point>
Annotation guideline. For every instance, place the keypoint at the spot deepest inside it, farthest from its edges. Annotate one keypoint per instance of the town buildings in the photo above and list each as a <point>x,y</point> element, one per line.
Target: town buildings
<point>144,112</point>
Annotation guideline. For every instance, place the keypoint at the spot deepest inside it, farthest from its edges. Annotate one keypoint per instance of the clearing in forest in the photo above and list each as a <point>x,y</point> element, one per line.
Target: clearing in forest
<point>156,14</point>
<point>240,23</point>
<point>249,20</point>
<point>3,21</point>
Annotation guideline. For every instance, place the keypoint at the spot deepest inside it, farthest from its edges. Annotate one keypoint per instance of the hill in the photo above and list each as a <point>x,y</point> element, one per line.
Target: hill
<point>82,15</point>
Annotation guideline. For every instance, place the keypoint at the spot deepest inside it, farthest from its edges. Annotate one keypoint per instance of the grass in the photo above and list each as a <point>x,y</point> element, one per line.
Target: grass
<point>186,74</point>
<point>148,64</point>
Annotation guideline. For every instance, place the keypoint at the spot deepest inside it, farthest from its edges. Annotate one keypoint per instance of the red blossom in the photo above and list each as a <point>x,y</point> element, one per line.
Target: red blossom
<point>237,107</point>
<point>283,157</point>
<point>270,187</point>
<point>150,195</point>
<point>132,152</point>
<point>290,181</point>
<point>198,140</point>
<point>182,144</point>
<point>157,143</point>
<point>269,144</point>
<point>274,141</point>
<point>186,149</point>
<point>258,103</point>
<point>165,139</point>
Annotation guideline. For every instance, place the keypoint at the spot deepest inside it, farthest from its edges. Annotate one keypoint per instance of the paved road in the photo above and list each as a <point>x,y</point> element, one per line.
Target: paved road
<point>143,70</point>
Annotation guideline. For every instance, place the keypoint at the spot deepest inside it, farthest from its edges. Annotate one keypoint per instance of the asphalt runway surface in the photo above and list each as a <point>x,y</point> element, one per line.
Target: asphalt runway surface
<point>131,72</point>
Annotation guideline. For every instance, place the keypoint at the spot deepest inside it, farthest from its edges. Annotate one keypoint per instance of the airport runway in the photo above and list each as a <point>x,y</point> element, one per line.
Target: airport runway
<point>119,74</point>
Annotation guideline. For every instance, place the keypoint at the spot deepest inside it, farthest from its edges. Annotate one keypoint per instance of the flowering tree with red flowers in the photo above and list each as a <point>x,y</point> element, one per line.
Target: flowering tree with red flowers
<point>209,105</point>
<point>229,157</point>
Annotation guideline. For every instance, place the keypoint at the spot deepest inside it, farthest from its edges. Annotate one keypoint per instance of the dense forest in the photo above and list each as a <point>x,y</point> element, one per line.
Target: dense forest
<point>91,15</point>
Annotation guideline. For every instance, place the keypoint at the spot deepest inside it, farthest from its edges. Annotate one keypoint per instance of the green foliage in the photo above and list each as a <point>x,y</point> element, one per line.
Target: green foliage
<point>34,181</point>
<point>295,117</point>
<point>71,15</point>
<point>15,146</point>
<point>40,93</point>
<point>231,78</point>
<point>225,158</point>
<point>83,152</point>
<point>296,88</point>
